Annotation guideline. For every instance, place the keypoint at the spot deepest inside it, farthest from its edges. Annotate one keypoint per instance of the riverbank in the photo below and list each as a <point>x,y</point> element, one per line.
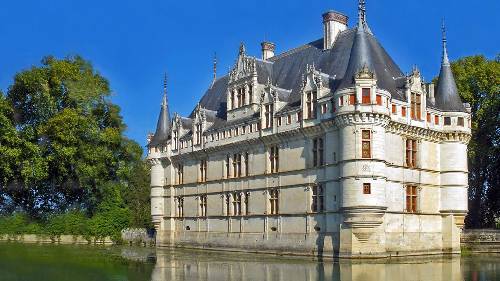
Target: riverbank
<point>60,239</point>
<point>480,240</point>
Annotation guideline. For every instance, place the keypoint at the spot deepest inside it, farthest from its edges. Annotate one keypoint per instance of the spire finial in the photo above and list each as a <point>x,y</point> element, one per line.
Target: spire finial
<point>445,48</point>
<point>215,66</point>
<point>362,12</point>
<point>164,101</point>
<point>242,48</point>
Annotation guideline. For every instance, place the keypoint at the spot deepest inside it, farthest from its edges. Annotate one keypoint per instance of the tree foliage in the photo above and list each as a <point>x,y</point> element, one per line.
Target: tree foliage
<point>478,81</point>
<point>62,146</point>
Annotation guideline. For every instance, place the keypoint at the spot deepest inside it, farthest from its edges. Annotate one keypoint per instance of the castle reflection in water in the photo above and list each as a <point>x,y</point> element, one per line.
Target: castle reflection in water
<point>180,265</point>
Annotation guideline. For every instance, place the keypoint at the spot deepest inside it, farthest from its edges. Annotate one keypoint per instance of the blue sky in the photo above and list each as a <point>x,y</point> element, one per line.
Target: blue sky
<point>133,43</point>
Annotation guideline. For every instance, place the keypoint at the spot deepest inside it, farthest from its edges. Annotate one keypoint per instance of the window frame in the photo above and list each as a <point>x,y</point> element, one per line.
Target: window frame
<point>368,142</point>
<point>411,199</point>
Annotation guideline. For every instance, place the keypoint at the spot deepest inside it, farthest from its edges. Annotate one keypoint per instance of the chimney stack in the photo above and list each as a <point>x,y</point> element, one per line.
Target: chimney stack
<point>333,24</point>
<point>267,50</point>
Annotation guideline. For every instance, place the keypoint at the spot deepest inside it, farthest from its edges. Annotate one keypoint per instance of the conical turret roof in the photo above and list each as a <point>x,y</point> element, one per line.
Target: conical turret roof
<point>447,97</point>
<point>162,133</point>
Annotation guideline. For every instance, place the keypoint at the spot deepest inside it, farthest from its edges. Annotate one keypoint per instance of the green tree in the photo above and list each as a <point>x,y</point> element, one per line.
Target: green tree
<point>478,81</point>
<point>64,143</point>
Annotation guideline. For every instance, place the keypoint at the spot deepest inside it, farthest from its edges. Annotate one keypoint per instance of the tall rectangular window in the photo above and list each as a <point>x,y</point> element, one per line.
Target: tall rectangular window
<point>411,153</point>
<point>247,203</point>
<point>274,159</point>
<point>180,206</point>
<point>460,121</point>
<point>247,164</point>
<point>228,164</point>
<point>447,121</point>
<point>203,205</point>
<point>367,188</point>
<point>232,106</point>
<point>274,201</point>
<point>198,134</point>
<point>237,204</point>
<point>318,152</point>
<point>403,111</point>
<point>366,144</point>
<point>228,204</point>
<point>379,99</point>
<point>436,120</point>
<point>415,106</point>
<point>237,165</point>
<point>411,199</point>
<point>289,119</point>
<point>268,115</point>
<point>394,109</point>
<point>352,99</point>
<point>317,202</point>
<point>203,170</point>
<point>180,174</point>
<point>311,105</point>
<point>428,118</point>
<point>365,96</point>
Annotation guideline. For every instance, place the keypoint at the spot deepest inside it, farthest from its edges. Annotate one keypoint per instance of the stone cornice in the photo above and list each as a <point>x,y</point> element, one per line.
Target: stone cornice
<point>427,134</point>
<point>359,118</point>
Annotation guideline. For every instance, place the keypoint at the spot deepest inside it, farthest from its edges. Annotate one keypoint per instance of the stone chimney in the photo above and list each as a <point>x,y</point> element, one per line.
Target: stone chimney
<point>430,91</point>
<point>267,50</point>
<point>333,24</point>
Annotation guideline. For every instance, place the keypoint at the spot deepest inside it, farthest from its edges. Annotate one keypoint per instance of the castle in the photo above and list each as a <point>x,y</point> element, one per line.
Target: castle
<point>328,149</point>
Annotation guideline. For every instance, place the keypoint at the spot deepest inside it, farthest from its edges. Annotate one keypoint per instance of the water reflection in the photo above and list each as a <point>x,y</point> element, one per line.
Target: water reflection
<point>197,265</point>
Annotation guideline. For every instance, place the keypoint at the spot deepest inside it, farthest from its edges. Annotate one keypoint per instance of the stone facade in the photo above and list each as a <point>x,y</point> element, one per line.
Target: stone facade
<point>316,163</point>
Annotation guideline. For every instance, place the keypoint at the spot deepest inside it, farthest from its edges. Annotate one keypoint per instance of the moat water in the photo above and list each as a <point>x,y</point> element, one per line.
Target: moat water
<point>58,262</point>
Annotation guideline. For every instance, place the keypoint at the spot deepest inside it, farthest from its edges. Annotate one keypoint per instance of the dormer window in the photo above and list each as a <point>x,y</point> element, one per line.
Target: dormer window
<point>232,106</point>
<point>365,96</point>
<point>268,116</point>
<point>416,105</point>
<point>198,134</point>
<point>311,105</point>
<point>176,140</point>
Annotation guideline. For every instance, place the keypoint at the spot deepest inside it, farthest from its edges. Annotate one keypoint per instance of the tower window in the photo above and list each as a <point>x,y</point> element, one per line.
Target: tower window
<point>411,199</point>
<point>394,110</point>
<point>428,117</point>
<point>318,152</point>
<point>366,150</point>
<point>447,121</point>
<point>352,99</point>
<point>365,96</point>
<point>403,111</point>
<point>317,202</point>
<point>367,188</point>
<point>460,121</point>
<point>379,99</point>
<point>436,120</point>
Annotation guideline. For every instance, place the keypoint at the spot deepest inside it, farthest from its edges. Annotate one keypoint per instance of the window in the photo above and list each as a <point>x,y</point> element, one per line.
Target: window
<point>341,101</point>
<point>299,116</point>
<point>180,174</point>
<point>289,119</point>
<point>411,199</point>
<point>203,170</point>
<point>228,170</point>
<point>352,99</point>
<point>333,108</point>
<point>198,134</point>
<point>274,201</point>
<point>324,108</point>
<point>180,206</point>
<point>367,188</point>
<point>274,159</point>
<point>365,96</point>
<point>203,205</point>
<point>415,106</point>
<point>228,204</point>
<point>176,140</point>
<point>428,117</point>
<point>366,150</point>
<point>268,116</point>
<point>237,165</point>
<point>317,204</point>
<point>447,121</point>
<point>460,121</point>
<point>247,206</point>
<point>233,105</point>
<point>311,105</point>
<point>278,121</point>
<point>379,99</point>
<point>411,153</point>
<point>394,109</point>
<point>247,164</point>
<point>436,120</point>
<point>318,152</point>
<point>240,97</point>
<point>237,204</point>
<point>403,111</point>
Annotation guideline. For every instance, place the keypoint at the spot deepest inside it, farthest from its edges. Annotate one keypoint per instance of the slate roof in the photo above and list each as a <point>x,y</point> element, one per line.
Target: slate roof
<point>352,49</point>
<point>163,125</point>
